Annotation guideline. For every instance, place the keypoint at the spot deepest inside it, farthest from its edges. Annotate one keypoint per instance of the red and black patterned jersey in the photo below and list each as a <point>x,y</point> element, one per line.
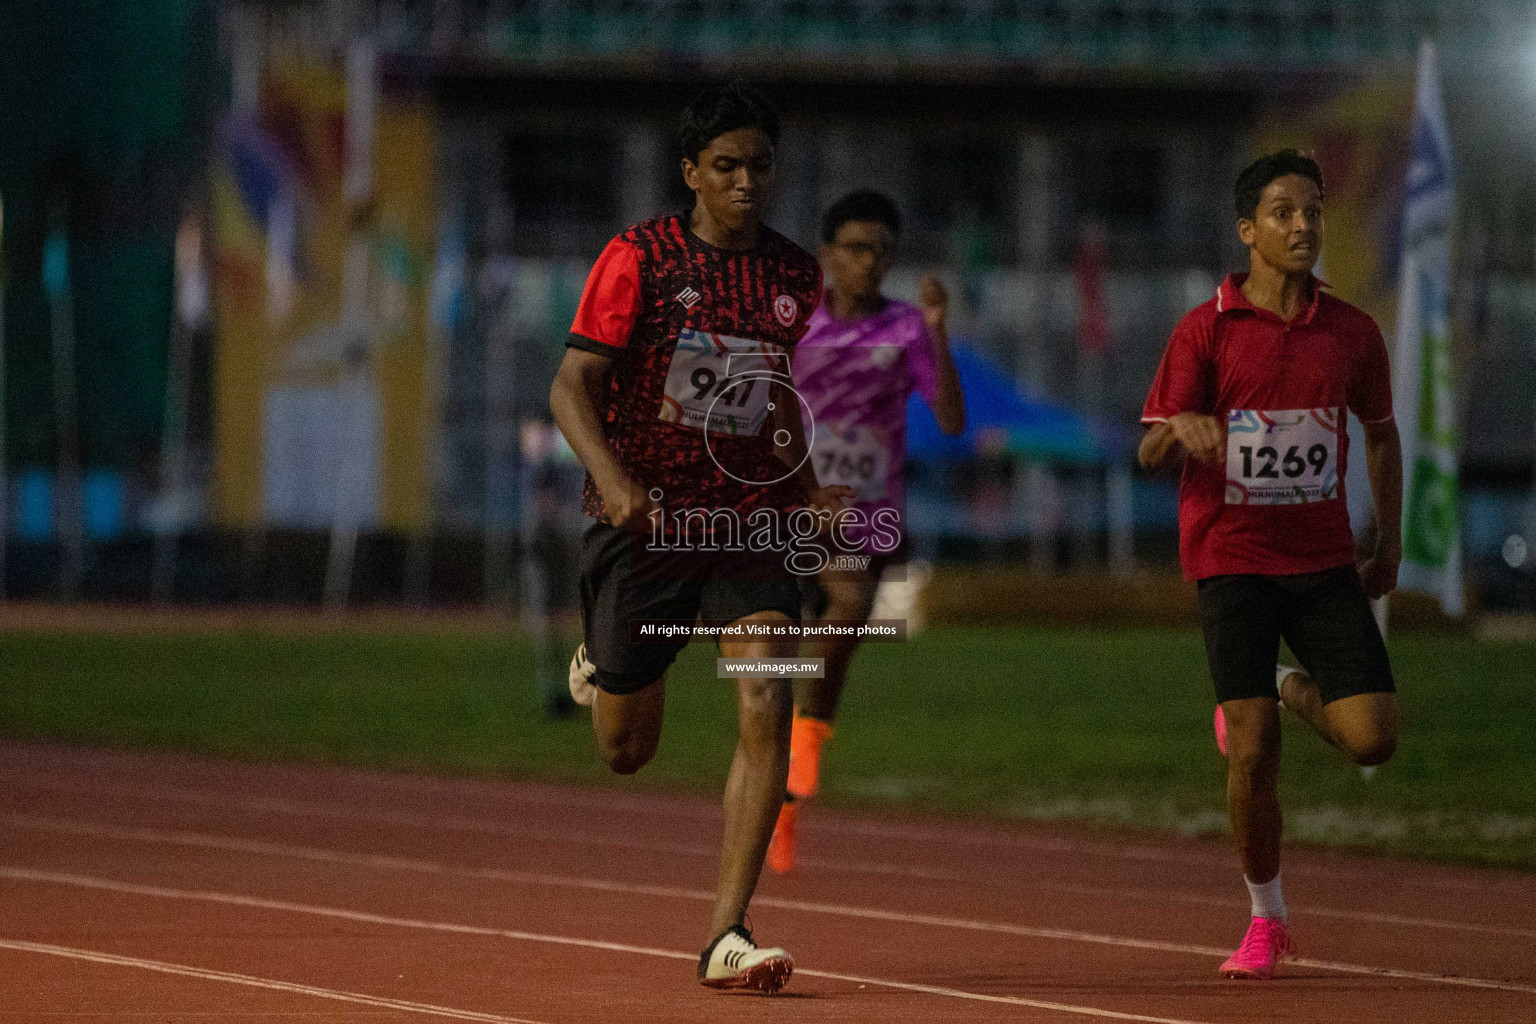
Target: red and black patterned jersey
<point>695,334</point>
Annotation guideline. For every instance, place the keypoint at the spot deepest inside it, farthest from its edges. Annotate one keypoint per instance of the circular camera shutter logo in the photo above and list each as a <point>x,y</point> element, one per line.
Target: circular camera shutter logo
<point>785,308</point>
<point>751,472</point>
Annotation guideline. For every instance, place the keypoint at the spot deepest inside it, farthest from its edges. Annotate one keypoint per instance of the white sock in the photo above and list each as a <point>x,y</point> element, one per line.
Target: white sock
<point>1281,671</point>
<point>1267,901</point>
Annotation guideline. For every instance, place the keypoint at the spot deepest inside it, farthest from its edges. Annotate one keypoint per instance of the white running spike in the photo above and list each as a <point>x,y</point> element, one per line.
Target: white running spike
<point>583,689</point>
<point>734,961</point>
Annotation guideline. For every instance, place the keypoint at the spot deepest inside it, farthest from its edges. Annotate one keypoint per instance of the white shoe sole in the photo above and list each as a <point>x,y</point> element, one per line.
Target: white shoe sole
<point>579,678</point>
<point>768,976</point>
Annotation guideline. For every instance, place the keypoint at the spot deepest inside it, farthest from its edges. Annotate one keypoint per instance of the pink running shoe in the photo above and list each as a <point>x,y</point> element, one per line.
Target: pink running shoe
<point>1266,944</point>
<point>1221,731</point>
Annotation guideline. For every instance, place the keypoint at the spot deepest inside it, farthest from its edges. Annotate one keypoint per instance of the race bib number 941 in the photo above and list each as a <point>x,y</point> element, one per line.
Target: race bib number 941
<point>1282,457</point>
<point>719,381</point>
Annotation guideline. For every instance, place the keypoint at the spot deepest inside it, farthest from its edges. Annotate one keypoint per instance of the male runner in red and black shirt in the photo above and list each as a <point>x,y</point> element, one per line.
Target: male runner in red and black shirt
<point>675,393</point>
<point>1256,386</point>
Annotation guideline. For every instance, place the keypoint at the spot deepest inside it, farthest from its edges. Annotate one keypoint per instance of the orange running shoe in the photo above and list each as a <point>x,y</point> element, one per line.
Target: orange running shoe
<point>806,736</point>
<point>783,846</point>
<point>805,739</point>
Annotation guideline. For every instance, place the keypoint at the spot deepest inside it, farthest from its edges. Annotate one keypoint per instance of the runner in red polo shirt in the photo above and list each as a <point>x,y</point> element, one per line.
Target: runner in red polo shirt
<point>1254,388</point>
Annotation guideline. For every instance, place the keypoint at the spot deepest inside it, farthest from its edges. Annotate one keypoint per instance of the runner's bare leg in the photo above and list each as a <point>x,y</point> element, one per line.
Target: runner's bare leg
<point>1253,774</point>
<point>628,727</point>
<point>1362,727</point>
<point>755,788</point>
<point>850,597</point>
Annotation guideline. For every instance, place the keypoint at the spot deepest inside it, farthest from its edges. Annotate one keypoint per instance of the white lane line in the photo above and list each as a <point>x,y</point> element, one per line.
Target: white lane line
<point>645,806</point>
<point>553,796</point>
<point>363,917</point>
<point>1296,909</point>
<point>547,795</point>
<point>276,805</point>
<point>638,805</point>
<point>428,822</point>
<point>1039,1004</point>
<point>205,974</point>
<point>262,848</point>
<point>905,832</point>
<point>1121,893</point>
<point>710,814</point>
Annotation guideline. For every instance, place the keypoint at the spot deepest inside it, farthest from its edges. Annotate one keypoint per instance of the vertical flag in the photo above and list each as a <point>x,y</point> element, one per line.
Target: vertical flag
<point>1425,392</point>
<point>282,255</point>
<point>1092,343</point>
<point>191,315</point>
<point>1088,275</point>
<point>191,276</point>
<point>449,298</point>
<point>357,382</point>
<point>1093,337</point>
<point>68,501</point>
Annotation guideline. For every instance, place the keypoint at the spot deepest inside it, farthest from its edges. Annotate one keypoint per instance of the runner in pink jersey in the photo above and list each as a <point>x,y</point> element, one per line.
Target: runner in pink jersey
<point>856,375</point>
<point>862,356</point>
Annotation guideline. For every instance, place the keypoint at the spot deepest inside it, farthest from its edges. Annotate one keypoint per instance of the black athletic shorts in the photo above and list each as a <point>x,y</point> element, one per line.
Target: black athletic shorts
<point>1325,617</point>
<point>623,580</point>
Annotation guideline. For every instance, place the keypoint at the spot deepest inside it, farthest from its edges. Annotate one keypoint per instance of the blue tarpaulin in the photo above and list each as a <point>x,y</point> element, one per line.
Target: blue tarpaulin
<point>1000,418</point>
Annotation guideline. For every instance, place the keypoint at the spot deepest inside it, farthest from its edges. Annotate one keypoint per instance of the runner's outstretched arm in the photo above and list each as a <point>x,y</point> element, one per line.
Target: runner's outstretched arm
<point>949,410</point>
<point>580,377</point>
<point>1384,463</point>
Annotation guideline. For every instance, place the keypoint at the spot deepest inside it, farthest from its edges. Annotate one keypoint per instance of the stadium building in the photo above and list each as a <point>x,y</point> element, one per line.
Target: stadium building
<point>1011,132</point>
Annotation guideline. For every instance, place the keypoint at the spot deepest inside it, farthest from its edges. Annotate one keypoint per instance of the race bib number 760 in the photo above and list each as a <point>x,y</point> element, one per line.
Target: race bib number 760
<point>1282,457</point>
<point>853,456</point>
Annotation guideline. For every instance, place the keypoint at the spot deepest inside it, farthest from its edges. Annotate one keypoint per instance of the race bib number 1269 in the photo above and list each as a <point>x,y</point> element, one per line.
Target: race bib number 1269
<point>1282,457</point>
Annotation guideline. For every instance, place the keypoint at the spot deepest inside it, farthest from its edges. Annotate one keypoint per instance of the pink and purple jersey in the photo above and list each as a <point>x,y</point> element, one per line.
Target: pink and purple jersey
<point>856,377</point>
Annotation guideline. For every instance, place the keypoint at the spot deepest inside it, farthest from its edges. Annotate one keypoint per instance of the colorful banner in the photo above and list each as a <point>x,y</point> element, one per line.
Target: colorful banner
<point>1357,135</point>
<point>305,398</point>
<point>1425,386</point>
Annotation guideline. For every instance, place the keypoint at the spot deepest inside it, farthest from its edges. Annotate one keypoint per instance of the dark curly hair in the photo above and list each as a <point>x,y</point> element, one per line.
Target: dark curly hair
<point>725,108</point>
<point>1257,176</point>
<point>865,204</point>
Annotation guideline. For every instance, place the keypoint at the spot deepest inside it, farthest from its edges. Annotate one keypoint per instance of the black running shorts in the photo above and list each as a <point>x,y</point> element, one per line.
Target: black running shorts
<point>1325,617</point>
<point>623,580</point>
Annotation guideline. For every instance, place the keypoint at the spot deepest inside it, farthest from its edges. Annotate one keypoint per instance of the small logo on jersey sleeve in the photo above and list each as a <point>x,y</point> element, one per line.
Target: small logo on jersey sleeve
<point>785,309</point>
<point>688,297</point>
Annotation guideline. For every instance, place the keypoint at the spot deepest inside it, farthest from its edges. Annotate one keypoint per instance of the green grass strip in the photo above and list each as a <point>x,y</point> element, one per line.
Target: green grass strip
<point>1102,726</point>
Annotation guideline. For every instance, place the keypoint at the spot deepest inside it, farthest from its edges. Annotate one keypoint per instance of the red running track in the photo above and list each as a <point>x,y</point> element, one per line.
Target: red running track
<point>167,888</point>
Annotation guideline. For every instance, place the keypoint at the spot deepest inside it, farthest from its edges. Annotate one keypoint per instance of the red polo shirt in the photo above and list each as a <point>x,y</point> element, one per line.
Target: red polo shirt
<point>1276,505</point>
